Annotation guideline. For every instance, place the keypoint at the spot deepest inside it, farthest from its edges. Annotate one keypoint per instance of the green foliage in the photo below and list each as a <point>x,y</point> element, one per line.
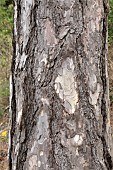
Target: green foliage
<point>6,19</point>
<point>110,23</point>
<point>6,2</point>
<point>2,2</point>
<point>6,25</point>
<point>4,89</point>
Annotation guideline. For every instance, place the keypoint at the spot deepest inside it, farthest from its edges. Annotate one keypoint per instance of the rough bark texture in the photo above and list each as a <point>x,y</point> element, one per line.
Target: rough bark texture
<point>59,86</point>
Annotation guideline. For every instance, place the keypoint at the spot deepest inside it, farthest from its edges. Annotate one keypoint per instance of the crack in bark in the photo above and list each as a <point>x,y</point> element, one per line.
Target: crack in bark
<point>106,154</point>
<point>13,104</point>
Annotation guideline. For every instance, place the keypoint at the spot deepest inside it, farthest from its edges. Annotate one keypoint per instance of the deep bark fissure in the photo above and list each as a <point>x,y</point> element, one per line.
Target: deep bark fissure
<point>106,155</point>
<point>12,104</point>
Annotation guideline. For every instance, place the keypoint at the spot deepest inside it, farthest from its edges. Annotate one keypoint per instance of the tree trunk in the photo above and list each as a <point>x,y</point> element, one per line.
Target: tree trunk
<point>59,86</point>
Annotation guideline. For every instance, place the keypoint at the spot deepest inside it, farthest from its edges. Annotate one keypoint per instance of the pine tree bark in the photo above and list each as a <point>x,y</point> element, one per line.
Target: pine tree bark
<point>59,86</point>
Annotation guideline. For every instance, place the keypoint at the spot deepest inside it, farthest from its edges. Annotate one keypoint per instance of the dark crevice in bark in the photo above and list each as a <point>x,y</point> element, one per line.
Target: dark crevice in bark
<point>106,154</point>
<point>33,32</point>
<point>52,152</point>
<point>27,122</point>
<point>18,21</point>
<point>13,103</point>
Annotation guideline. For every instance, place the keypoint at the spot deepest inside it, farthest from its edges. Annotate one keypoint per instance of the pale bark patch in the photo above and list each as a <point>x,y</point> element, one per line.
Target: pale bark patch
<point>19,99</point>
<point>64,32</point>
<point>67,3</point>
<point>22,61</point>
<point>45,101</point>
<point>94,96</point>
<point>41,153</point>
<point>43,131</point>
<point>66,87</point>
<point>39,164</point>
<point>98,18</point>
<point>15,17</point>
<point>49,35</point>
<point>19,116</point>
<point>17,148</point>
<point>44,60</point>
<point>78,139</point>
<point>33,162</point>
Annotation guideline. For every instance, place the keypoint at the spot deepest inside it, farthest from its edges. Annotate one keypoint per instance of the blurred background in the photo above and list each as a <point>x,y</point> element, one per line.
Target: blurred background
<point>6,27</point>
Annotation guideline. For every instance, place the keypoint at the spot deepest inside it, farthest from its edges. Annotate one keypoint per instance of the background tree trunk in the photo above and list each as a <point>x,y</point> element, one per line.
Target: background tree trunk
<point>59,86</point>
